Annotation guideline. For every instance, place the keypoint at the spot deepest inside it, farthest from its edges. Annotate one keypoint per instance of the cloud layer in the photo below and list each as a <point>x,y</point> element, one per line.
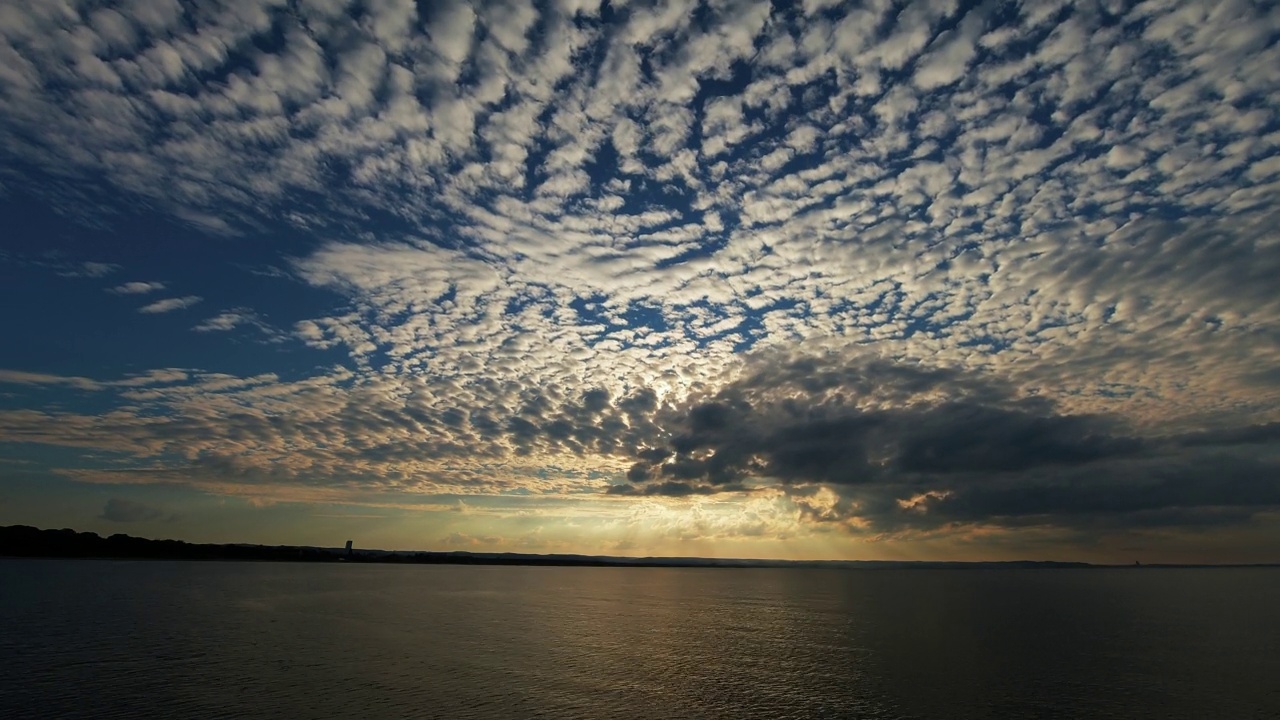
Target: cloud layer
<point>900,267</point>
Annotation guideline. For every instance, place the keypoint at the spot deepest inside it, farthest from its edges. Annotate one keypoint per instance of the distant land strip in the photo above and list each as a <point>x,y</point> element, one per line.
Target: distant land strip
<point>24,541</point>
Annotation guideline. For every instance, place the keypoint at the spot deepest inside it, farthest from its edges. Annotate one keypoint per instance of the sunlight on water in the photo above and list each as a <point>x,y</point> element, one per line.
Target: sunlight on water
<point>101,639</point>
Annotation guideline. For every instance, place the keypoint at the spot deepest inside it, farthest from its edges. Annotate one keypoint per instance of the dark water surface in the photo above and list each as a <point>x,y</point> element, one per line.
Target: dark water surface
<point>100,639</point>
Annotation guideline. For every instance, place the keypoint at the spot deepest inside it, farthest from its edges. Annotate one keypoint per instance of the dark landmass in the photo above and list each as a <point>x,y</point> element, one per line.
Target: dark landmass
<point>26,541</point>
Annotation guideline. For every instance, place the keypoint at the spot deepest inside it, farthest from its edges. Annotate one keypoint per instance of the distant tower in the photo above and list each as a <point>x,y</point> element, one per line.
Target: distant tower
<point>348,548</point>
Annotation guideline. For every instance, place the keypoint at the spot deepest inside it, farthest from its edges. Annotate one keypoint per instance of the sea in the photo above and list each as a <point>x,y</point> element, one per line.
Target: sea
<point>155,639</point>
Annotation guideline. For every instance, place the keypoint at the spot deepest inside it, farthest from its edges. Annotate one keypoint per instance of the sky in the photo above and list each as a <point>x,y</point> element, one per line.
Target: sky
<point>926,280</point>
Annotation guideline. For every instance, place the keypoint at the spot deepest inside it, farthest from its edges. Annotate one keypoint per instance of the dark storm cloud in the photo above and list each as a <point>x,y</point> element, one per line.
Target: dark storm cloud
<point>1191,485</point>
<point>914,447</point>
<point>1248,435</point>
<point>960,437</point>
<point>856,423</point>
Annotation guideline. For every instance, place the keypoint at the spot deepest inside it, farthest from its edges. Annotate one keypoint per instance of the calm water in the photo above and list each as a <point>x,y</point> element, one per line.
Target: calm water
<point>100,639</point>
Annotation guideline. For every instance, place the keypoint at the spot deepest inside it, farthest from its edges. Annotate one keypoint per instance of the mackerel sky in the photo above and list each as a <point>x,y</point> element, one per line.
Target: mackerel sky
<point>875,280</point>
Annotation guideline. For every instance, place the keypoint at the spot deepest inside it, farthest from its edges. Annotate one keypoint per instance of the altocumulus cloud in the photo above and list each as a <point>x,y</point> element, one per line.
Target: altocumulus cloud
<point>903,266</point>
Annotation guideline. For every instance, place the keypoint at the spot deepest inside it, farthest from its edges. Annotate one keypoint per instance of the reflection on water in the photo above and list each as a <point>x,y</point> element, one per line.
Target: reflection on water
<point>101,639</point>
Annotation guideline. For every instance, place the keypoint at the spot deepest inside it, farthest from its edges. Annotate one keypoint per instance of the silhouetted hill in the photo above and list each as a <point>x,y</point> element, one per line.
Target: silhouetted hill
<point>26,541</point>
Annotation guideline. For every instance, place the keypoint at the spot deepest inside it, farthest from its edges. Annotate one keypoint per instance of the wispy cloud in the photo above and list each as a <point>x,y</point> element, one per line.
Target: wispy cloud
<point>137,288</point>
<point>90,270</point>
<point>229,320</point>
<point>170,304</point>
<point>19,377</point>
<point>225,321</point>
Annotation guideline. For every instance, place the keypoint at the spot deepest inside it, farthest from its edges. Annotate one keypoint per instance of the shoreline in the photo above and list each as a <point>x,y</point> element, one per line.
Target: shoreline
<point>23,541</point>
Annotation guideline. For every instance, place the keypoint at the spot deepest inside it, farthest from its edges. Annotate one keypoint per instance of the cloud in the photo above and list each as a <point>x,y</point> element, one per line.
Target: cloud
<point>229,320</point>
<point>866,445</point>
<point>148,378</point>
<point>90,270</point>
<point>127,511</point>
<point>913,447</point>
<point>170,304</point>
<point>162,376</point>
<point>137,288</point>
<point>463,540</point>
<point>20,377</point>
<point>897,266</point>
<point>224,321</point>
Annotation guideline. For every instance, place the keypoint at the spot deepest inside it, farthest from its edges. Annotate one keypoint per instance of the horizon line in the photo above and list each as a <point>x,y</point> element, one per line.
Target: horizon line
<point>384,556</point>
